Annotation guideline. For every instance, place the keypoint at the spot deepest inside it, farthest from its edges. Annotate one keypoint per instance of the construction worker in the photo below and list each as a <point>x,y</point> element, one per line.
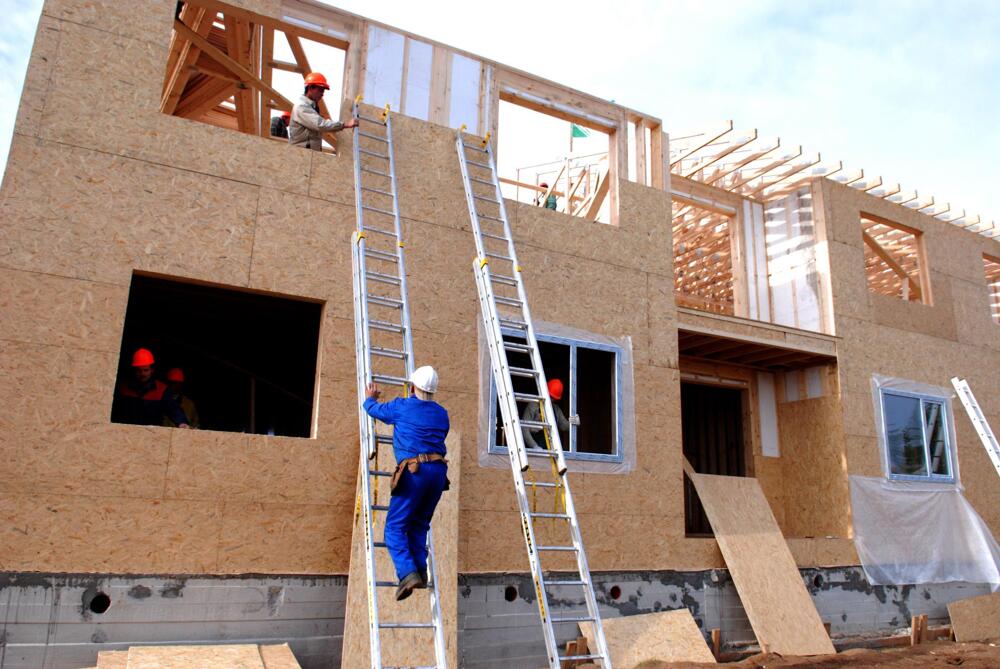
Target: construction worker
<point>307,126</point>
<point>420,426</point>
<point>533,412</point>
<point>551,202</point>
<point>175,382</point>
<point>143,400</point>
<point>279,125</point>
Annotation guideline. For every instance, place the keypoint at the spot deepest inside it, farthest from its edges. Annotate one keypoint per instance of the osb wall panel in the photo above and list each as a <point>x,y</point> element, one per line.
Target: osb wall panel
<point>36,80</point>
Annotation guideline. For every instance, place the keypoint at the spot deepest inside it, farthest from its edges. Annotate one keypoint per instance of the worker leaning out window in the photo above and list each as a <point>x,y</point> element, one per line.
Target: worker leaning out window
<point>306,126</point>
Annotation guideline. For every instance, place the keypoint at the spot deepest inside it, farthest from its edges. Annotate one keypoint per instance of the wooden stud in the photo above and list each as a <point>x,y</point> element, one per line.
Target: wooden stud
<point>716,642</point>
<point>187,56</point>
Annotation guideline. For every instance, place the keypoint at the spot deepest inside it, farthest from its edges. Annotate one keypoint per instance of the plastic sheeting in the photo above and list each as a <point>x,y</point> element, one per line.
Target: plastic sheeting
<point>909,532</point>
<point>625,399</point>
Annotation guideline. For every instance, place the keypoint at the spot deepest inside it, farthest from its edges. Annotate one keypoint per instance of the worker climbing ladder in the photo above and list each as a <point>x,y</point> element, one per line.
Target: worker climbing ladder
<point>509,329</point>
<point>384,351</point>
<point>978,420</point>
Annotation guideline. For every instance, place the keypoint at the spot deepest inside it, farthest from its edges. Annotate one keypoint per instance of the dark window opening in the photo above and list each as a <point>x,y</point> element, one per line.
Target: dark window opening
<point>248,360</point>
<point>713,439</point>
<point>590,382</point>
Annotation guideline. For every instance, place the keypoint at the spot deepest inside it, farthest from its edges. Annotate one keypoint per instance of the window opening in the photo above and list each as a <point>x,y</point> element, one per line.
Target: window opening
<point>916,438</point>
<point>894,262</point>
<point>713,442</point>
<point>590,376</point>
<point>991,266</point>
<point>703,258</point>
<point>228,71</point>
<point>247,361</point>
<point>553,162</point>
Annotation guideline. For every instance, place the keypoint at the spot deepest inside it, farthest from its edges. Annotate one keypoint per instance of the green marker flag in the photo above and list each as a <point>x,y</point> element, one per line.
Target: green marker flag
<point>577,131</point>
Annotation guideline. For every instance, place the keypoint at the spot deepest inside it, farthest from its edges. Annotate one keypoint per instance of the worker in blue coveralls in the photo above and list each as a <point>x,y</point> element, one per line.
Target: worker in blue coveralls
<point>420,426</point>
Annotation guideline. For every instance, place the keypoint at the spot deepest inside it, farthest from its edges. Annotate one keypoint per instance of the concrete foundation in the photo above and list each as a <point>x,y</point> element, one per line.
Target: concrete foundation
<point>51,621</point>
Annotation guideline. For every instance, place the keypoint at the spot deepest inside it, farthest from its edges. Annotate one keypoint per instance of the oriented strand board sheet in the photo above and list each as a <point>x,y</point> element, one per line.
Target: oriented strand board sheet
<point>665,636</point>
<point>406,647</point>
<point>780,609</point>
<point>112,659</point>
<point>278,657</point>
<point>976,618</point>
<point>245,656</point>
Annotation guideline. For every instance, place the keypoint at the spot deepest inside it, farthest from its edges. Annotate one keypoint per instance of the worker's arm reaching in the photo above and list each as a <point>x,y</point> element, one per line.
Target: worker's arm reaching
<point>310,118</point>
<point>385,412</point>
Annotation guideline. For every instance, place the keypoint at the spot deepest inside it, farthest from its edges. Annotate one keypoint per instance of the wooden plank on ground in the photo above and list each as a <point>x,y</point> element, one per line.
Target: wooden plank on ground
<point>278,657</point>
<point>242,656</point>
<point>976,618</point>
<point>112,659</point>
<point>665,636</point>
<point>777,603</point>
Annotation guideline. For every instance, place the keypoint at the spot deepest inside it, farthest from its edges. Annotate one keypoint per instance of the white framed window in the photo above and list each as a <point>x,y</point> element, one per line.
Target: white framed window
<point>591,373</point>
<point>916,436</point>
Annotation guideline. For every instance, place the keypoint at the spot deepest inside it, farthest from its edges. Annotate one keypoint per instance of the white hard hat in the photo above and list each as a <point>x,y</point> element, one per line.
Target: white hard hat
<point>425,378</point>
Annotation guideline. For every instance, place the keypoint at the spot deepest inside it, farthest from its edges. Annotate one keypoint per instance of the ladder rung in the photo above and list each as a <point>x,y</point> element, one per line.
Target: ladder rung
<point>371,120</point>
<point>573,619</point>
<point>543,484</point>
<point>390,381</point>
<point>522,371</point>
<point>374,154</point>
<point>526,397</point>
<point>498,256</point>
<point>557,516</point>
<point>509,323</point>
<point>377,190</point>
<point>377,472</point>
<point>561,583</point>
<point>385,301</point>
<point>504,279</point>
<point>383,438</point>
<point>557,548</point>
<point>509,301</point>
<point>407,626</point>
<point>378,172</point>
<point>381,255</point>
<point>486,199</point>
<point>541,452</point>
<point>492,218</point>
<point>385,584</point>
<point>380,507</point>
<point>381,231</point>
<point>521,348</point>
<point>379,211</point>
<point>371,136</point>
<point>473,148</point>
<point>379,544</point>
<point>385,326</point>
<point>575,658</point>
<point>535,425</point>
<point>481,181</point>
<point>383,278</point>
<point>490,235</point>
<point>483,165</point>
<point>388,352</point>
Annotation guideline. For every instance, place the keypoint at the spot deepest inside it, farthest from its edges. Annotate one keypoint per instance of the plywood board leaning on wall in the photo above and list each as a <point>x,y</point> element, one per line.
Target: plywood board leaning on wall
<point>777,603</point>
<point>405,647</point>
<point>976,618</point>
<point>665,636</point>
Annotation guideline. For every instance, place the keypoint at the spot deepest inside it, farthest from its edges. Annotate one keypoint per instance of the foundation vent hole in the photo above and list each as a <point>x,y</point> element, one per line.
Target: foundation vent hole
<point>510,593</point>
<point>615,592</point>
<point>100,603</point>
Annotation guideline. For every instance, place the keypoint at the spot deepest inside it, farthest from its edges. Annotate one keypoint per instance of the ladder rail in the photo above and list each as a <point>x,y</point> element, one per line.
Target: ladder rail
<point>978,419</point>
<point>369,436</point>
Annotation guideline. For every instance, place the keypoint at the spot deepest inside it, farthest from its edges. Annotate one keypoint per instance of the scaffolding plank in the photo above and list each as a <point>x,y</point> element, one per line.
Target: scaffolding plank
<point>780,609</point>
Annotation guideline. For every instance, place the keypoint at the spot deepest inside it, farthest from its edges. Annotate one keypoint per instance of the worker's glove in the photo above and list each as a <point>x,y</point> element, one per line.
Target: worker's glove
<point>574,419</point>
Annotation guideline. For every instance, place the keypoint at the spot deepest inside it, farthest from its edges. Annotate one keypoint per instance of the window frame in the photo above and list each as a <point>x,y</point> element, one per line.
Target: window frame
<point>946,419</point>
<point>570,452</point>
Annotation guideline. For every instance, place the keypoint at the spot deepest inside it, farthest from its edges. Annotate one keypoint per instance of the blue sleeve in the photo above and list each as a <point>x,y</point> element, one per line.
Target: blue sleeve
<point>172,409</point>
<point>383,411</point>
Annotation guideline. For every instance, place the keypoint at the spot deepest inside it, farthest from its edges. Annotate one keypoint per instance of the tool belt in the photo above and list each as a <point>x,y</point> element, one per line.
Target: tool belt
<point>413,464</point>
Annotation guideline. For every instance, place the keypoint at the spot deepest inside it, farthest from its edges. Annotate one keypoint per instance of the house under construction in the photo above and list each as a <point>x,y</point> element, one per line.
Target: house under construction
<point>784,328</point>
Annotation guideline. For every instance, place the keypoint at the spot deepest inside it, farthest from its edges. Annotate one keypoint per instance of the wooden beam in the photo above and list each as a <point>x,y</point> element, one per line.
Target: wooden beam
<point>204,95</point>
<point>187,56</point>
<point>236,49</point>
<point>253,17</point>
<point>266,75</point>
<point>891,262</point>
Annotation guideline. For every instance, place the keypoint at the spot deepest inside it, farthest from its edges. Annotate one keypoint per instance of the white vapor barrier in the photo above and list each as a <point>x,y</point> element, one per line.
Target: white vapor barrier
<point>464,93</point>
<point>417,102</point>
<point>791,258</point>
<point>384,67</point>
<point>755,253</point>
<point>768,412</point>
<point>909,533</point>
<point>625,401</point>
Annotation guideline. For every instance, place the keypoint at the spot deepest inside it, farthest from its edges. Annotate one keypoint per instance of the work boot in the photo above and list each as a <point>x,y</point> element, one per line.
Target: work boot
<point>423,578</point>
<point>407,584</point>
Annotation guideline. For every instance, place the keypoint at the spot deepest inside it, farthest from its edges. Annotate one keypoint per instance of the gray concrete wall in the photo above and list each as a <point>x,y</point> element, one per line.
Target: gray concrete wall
<point>46,621</point>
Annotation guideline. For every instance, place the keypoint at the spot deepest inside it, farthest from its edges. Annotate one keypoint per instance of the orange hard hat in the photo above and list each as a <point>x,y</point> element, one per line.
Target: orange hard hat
<point>176,374</point>
<point>286,115</point>
<point>543,185</point>
<point>142,358</point>
<point>316,79</point>
<point>555,389</point>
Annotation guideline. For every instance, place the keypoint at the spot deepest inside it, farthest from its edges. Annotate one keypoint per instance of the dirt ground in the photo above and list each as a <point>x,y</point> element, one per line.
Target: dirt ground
<point>933,654</point>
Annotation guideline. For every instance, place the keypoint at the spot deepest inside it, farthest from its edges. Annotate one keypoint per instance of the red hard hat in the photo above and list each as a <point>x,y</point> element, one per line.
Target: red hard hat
<point>316,79</point>
<point>555,389</point>
<point>176,374</point>
<point>142,358</point>
<point>543,185</point>
<point>286,115</point>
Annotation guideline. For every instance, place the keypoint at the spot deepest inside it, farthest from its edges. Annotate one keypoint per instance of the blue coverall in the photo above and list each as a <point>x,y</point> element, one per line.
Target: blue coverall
<point>420,426</point>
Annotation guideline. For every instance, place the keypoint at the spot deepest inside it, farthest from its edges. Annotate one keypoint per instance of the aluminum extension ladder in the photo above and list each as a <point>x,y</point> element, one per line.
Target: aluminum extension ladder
<point>380,286</point>
<point>978,420</point>
<point>512,331</point>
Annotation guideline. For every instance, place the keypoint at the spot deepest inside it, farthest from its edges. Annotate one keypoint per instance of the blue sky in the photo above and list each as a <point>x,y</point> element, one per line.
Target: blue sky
<point>907,89</point>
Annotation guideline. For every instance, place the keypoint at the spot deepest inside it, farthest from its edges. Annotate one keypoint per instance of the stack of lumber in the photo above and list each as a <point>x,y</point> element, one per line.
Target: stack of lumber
<point>242,656</point>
